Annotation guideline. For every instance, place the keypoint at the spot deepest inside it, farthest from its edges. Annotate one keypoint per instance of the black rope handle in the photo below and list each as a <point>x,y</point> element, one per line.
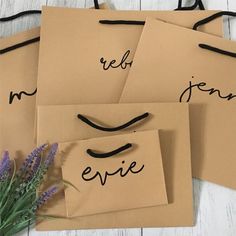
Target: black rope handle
<point>217,50</point>
<point>179,4</point>
<point>122,22</point>
<point>30,41</point>
<point>20,14</point>
<point>32,12</point>
<point>213,17</point>
<point>198,3</point>
<point>137,22</point>
<point>24,43</point>
<point>96,4</point>
<point>201,5</point>
<point>19,45</point>
<point>109,154</point>
<point>126,125</point>
<point>209,19</point>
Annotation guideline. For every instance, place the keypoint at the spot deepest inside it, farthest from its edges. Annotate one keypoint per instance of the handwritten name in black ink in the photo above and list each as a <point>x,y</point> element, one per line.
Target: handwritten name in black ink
<point>119,171</point>
<point>113,63</point>
<point>187,93</point>
<point>19,95</point>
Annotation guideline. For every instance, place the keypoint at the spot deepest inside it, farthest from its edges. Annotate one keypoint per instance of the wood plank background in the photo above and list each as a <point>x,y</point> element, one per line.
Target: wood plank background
<point>215,205</point>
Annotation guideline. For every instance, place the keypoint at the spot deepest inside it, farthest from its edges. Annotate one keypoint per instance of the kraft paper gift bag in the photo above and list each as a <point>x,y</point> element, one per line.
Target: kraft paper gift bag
<point>126,173</point>
<point>61,124</point>
<point>18,66</point>
<point>186,71</point>
<point>83,61</point>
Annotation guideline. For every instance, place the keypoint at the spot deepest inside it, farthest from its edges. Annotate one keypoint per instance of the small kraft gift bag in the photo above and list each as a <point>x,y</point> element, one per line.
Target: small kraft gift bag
<point>113,173</point>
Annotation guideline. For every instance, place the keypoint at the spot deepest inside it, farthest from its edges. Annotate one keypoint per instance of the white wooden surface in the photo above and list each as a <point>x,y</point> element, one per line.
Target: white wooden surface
<point>215,205</point>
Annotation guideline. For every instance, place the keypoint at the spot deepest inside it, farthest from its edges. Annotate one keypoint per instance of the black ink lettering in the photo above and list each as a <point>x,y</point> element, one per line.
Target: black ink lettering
<point>19,95</point>
<point>123,63</point>
<point>133,164</point>
<point>103,180</point>
<point>188,92</point>
<point>86,171</point>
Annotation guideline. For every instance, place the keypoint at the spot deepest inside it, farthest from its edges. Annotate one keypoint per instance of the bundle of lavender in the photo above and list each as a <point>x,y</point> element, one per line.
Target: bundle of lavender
<point>19,197</point>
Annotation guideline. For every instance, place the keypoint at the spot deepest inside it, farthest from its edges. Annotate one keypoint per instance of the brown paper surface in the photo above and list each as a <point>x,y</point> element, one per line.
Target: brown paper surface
<point>18,76</point>
<point>163,71</point>
<point>19,69</point>
<point>60,124</point>
<point>93,59</point>
<point>131,179</point>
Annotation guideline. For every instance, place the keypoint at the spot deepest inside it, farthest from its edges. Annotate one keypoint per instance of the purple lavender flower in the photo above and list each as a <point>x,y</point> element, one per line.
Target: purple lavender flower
<point>36,164</point>
<point>5,165</point>
<point>35,168</point>
<point>44,197</point>
<point>30,159</point>
<point>51,155</point>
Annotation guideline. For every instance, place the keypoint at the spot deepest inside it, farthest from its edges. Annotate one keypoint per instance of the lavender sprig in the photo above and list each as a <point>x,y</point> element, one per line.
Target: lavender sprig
<point>26,172</point>
<point>46,164</point>
<point>26,166</point>
<point>5,166</point>
<point>19,200</point>
<point>35,168</point>
<point>44,197</point>
<point>51,155</point>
